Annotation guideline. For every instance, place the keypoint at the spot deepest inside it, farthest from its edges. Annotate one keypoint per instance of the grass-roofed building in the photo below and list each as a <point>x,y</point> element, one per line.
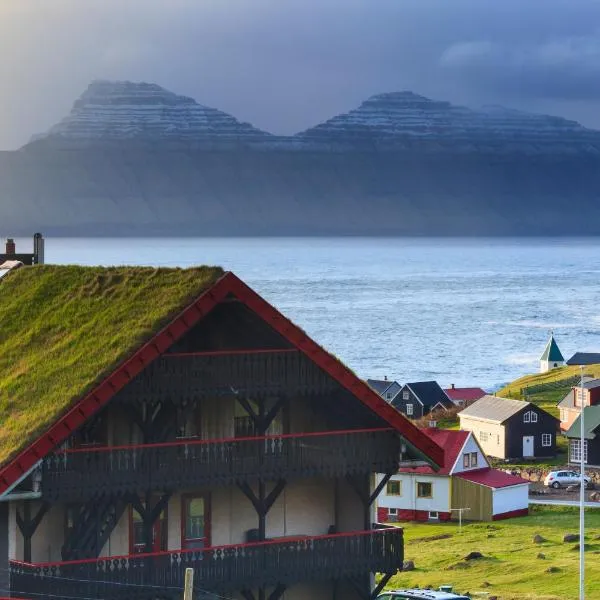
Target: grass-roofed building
<point>173,418</point>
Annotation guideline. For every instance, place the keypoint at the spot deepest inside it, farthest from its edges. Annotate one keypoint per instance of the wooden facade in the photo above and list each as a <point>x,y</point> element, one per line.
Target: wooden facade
<point>478,498</point>
<point>278,456</point>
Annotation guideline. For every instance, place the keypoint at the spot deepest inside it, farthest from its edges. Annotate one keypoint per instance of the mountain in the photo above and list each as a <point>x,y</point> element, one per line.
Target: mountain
<point>124,111</point>
<point>136,159</point>
<point>405,120</point>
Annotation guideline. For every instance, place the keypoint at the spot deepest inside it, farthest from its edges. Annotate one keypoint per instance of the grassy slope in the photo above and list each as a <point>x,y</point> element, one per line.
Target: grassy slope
<point>510,565</point>
<point>63,328</point>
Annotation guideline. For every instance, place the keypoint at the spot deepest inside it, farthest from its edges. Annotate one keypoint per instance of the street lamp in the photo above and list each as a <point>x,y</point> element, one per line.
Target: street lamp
<point>582,496</point>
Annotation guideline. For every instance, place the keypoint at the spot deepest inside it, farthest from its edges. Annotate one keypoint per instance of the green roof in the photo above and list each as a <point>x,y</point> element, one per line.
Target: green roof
<point>64,328</point>
<point>591,422</point>
<point>552,353</point>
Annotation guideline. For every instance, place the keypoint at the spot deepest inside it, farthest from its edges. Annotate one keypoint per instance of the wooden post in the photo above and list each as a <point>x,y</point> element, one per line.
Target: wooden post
<point>188,589</point>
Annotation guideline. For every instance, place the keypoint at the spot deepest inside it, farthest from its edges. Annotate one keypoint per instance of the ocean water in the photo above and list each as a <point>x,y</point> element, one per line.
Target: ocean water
<point>462,311</point>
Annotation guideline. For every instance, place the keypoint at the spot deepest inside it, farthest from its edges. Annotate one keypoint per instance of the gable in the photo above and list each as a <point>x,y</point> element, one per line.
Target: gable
<point>469,447</point>
<point>58,429</point>
<point>430,393</point>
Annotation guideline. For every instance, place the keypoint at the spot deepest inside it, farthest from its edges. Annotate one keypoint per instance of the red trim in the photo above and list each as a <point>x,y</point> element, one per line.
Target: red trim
<point>196,442</point>
<point>164,339</point>
<point>271,542</point>
<point>157,527</point>
<point>232,352</point>
<point>522,512</point>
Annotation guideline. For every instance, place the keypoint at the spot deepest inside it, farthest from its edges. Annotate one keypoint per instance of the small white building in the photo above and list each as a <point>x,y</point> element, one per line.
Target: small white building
<point>552,357</point>
<point>465,481</point>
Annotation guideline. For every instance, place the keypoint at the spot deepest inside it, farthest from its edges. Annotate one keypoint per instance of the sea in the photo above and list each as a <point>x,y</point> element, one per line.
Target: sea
<point>469,312</point>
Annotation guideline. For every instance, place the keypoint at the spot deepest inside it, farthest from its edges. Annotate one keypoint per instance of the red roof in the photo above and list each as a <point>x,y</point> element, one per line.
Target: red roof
<point>468,394</point>
<point>452,443</point>
<point>83,409</point>
<point>492,478</point>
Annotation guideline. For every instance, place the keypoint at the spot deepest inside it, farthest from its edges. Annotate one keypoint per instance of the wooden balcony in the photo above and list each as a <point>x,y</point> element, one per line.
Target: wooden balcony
<point>80,475</point>
<point>224,569</point>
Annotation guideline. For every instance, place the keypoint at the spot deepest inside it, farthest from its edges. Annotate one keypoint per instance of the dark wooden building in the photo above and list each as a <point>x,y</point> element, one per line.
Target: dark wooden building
<point>27,258</point>
<point>208,432</point>
<point>591,437</point>
<point>508,428</point>
<point>415,400</point>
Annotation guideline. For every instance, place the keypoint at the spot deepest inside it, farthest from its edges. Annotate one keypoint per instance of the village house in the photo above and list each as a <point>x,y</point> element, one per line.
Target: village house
<point>591,437</point>
<point>511,429</point>
<point>463,396</point>
<point>415,400</point>
<point>465,481</point>
<point>552,357</point>
<point>569,407</point>
<point>158,419</point>
<point>584,358</point>
<point>27,258</point>
<point>384,387</point>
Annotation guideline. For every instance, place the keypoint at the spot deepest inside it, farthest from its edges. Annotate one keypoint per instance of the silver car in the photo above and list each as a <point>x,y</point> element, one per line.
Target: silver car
<point>420,594</point>
<point>558,479</point>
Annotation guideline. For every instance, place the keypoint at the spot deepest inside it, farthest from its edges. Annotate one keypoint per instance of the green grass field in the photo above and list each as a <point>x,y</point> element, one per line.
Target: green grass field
<point>510,568</point>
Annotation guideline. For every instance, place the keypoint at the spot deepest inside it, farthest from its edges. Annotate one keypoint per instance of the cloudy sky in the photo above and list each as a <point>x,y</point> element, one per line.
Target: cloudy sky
<point>285,65</point>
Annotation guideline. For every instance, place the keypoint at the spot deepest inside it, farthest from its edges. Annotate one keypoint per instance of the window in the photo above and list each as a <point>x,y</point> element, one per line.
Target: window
<point>195,523</point>
<point>394,488</point>
<point>409,409</point>
<point>388,395</point>
<point>527,417</point>
<point>534,417</point>
<point>575,448</point>
<point>137,539</point>
<point>466,461</point>
<point>546,439</point>
<point>473,459</point>
<point>434,515</point>
<point>484,436</point>
<point>424,489</point>
<point>392,512</point>
<point>405,395</point>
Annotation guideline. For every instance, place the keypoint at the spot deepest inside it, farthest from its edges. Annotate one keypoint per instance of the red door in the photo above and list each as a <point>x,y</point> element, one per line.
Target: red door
<point>159,533</point>
<point>195,522</point>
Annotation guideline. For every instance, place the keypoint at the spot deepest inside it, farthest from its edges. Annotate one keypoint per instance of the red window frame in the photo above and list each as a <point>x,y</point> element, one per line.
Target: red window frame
<point>161,531</point>
<point>185,499</point>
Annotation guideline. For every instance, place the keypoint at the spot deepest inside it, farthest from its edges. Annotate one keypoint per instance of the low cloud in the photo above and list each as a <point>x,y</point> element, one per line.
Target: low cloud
<point>567,68</point>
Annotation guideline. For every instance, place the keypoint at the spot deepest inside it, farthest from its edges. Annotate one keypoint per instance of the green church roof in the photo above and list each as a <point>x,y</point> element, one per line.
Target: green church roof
<point>552,353</point>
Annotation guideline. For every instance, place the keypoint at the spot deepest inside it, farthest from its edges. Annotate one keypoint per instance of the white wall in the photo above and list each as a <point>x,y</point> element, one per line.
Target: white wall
<point>495,444</point>
<point>511,498</point>
<point>440,500</point>
<point>469,447</point>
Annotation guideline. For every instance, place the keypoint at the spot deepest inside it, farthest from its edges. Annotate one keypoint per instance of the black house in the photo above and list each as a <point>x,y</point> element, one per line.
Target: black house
<point>418,399</point>
<point>508,428</point>
<point>591,436</point>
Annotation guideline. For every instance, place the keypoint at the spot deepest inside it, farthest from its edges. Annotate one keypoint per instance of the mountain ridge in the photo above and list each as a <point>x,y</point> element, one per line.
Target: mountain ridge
<point>136,159</point>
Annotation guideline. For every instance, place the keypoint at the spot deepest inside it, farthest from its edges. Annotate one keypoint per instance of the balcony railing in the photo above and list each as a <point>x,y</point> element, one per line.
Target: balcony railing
<point>78,475</point>
<point>284,561</point>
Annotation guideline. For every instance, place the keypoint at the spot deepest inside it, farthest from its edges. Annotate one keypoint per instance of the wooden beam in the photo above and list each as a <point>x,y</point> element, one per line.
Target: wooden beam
<point>27,525</point>
<point>248,408</point>
<point>379,487</point>
<point>249,493</point>
<point>357,488</point>
<point>379,587</point>
<point>270,499</point>
<point>270,416</point>
<point>277,592</point>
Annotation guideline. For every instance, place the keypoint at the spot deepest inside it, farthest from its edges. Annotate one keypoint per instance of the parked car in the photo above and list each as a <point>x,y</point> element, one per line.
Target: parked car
<point>558,479</point>
<point>444,593</point>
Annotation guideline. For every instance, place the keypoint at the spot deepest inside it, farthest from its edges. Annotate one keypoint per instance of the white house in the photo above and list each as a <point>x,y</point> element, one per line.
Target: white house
<point>466,481</point>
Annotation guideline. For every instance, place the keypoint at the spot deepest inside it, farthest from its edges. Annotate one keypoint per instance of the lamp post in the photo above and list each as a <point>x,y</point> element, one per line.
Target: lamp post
<point>582,496</point>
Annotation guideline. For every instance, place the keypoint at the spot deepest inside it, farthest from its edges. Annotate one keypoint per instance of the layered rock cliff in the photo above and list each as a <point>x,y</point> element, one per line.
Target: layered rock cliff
<point>135,159</point>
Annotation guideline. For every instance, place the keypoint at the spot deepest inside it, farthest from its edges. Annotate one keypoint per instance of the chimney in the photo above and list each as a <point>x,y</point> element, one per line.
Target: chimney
<point>38,249</point>
<point>10,246</point>
<point>452,386</point>
<point>385,377</point>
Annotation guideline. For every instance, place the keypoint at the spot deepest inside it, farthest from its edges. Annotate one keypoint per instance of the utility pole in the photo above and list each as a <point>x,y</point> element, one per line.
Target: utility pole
<point>188,590</point>
<point>582,497</point>
<point>460,512</point>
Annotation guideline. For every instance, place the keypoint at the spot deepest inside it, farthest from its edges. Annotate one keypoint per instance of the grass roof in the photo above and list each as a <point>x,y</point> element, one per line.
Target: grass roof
<point>64,328</point>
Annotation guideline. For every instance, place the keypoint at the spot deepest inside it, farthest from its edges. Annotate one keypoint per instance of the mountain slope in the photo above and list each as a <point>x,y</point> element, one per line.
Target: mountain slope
<point>135,159</point>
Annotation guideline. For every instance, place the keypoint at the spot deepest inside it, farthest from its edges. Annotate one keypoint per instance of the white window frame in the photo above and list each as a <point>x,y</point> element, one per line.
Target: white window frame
<point>434,515</point>
<point>410,410</point>
<point>405,395</point>
<point>574,451</point>
<point>546,440</point>
<point>392,512</point>
<point>527,417</point>
<point>534,416</point>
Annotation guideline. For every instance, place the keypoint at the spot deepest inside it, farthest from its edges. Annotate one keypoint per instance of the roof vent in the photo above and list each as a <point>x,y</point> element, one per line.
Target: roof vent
<point>11,248</point>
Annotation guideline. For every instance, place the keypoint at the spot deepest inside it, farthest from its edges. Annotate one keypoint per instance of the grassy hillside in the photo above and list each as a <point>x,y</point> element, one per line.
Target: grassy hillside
<point>510,568</point>
<point>547,389</point>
